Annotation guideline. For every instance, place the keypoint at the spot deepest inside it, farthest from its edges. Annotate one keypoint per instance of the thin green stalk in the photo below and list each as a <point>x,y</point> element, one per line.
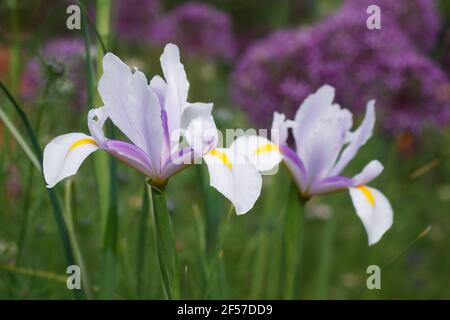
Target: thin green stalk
<point>165,243</point>
<point>141,256</point>
<point>90,76</point>
<point>107,187</point>
<point>218,257</point>
<point>263,257</point>
<point>20,140</point>
<point>34,273</point>
<point>110,247</point>
<point>211,217</point>
<point>202,253</point>
<point>26,213</point>
<point>326,255</point>
<point>26,122</point>
<point>68,216</point>
<point>15,47</point>
<point>292,243</point>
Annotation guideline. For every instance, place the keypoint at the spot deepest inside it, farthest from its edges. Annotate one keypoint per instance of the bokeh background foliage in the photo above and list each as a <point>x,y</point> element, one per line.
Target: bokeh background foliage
<point>250,58</point>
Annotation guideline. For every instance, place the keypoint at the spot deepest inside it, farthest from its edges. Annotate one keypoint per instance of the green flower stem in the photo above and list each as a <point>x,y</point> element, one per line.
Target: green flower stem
<point>165,242</point>
<point>68,217</point>
<point>218,257</point>
<point>292,243</point>
<point>326,255</point>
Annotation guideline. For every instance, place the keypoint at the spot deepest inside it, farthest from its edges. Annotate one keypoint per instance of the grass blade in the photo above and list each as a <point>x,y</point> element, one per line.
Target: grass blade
<point>56,207</point>
<point>142,246</point>
<point>20,140</point>
<point>73,239</point>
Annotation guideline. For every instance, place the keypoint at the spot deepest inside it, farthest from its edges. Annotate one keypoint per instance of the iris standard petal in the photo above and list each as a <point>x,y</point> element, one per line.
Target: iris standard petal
<point>235,177</point>
<point>372,170</point>
<point>114,88</point>
<point>309,111</point>
<point>374,210</point>
<point>320,139</point>
<point>177,88</point>
<point>201,134</point>
<point>64,155</point>
<point>159,86</point>
<point>357,139</point>
<point>194,110</point>
<point>280,126</point>
<point>145,113</point>
<point>96,120</point>
<point>262,153</point>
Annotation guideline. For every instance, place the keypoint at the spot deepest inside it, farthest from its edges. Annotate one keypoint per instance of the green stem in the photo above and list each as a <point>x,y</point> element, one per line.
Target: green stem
<point>218,257</point>
<point>326,255</point>
<point>141,247</point>
<point>165,243</point>
<point>292,243</point>
<point>68,217</point>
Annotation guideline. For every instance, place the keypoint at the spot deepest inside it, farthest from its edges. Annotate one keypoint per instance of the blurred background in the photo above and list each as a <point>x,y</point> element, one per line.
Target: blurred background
<point>250,58</point>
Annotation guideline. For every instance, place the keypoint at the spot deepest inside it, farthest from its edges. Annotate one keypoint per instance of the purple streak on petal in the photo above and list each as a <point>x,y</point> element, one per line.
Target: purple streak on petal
<point>165,127</point>
<point>331,184</point>
<point>178,161</point>
<point>131,155</point>
<point>295,166</point>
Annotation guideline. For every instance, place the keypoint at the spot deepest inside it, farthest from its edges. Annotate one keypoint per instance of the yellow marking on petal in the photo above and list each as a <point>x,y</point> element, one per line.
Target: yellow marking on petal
<point>369,196</point>
<point>222,156</point>
<point>268,147</point>
<point>82,142</point>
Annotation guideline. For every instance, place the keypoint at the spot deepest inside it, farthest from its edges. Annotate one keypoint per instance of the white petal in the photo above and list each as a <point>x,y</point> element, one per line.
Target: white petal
<point>96,120</point>
<point>372,170</point>
<point>374,210</point>
<point>235,177</point>
<point>114,87</point>
<point>201,134</point>
<point>320,130</point>
<point>194,110</point>
<point>357,139</point>
<point>309,111</point>
<point>159,86</point>
<point>280,126</point>
<point>145,113</point>
<point>64,155</point>
<point>262,153</point>
<point>177,88</point>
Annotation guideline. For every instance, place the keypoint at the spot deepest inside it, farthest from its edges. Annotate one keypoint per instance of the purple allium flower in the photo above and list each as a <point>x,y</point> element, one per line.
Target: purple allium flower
<point>198,29</point>
<point>277,73</point>
<point>418,19</point>
<point>352,58</point>
<point>383,65</point>
<point>413,92</point>
<point>60,62</point>
<point>135,18</point>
